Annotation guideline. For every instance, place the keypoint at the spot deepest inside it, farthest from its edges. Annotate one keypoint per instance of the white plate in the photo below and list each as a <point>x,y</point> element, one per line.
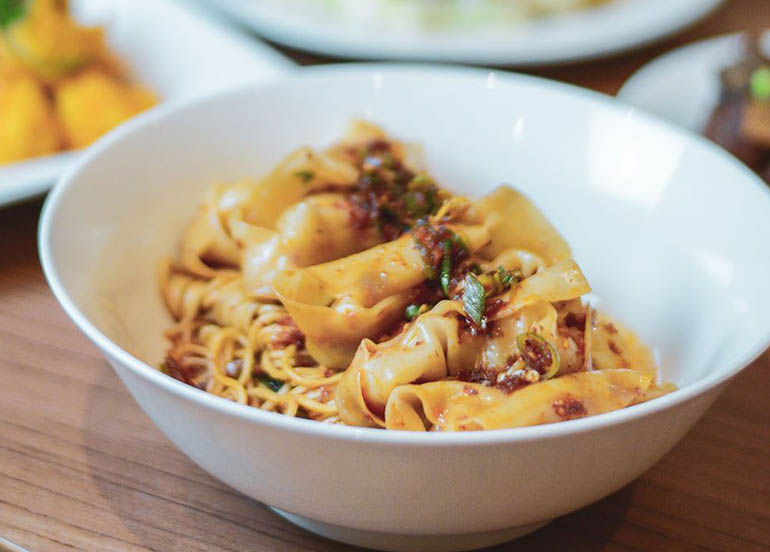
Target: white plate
<point>172,49</point>
<point>620,25</point>
<point>683,85</point>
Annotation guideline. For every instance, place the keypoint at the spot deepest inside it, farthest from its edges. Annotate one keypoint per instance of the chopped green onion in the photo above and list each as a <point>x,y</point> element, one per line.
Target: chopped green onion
<point>508,278</point>
<point>11,10</point>
<point>421,182</point>
<point>505,277</point>
<point>417,204</point>
<point>760,83</point>
<point>541,347</point>
<point>271,383</point>
<point>304,176</point>
<point>414,310</point>
<point>474,298</point>
<point>446,265</point>
<point>459,243</point>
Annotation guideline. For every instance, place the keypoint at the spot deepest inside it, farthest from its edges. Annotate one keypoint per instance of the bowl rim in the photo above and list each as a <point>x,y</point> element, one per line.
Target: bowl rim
<point>338,431</point>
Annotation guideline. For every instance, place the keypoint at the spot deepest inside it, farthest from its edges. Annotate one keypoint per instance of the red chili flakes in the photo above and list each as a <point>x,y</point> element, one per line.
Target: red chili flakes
<point>538,356</point>
<point>614,347</point>
<point>470,391</point>
<point>569,408</point>
<point>575,320</point>
<point>611,329</point>
<point>493,307</point>
<point>180,371</point>
<point>429,239</point>
<point>478,374</point>
<point>289,334</point>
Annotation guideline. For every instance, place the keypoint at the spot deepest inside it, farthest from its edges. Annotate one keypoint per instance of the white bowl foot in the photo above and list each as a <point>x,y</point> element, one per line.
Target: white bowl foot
<point>398,542</point>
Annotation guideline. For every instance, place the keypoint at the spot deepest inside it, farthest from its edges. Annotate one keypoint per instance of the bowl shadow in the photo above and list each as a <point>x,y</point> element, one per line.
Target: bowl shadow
<point>158,499</point>
<point>587,530</point>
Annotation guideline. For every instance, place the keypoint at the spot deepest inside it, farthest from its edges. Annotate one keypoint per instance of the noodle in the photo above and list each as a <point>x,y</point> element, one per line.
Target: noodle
<point>235,347</point>
<point>344,287</point>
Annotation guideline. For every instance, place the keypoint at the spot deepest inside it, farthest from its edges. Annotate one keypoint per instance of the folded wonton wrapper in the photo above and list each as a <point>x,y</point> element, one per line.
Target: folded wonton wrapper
<point>520,226</point>
<point>459,406</point>
<point>312,231</point>
<point>339,303</point>
<point>300,173</point>
<point>560,282</point>
<point>433,347</point>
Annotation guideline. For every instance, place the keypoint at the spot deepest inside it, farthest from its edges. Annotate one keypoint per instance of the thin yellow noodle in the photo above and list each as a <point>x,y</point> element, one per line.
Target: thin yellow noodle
<point>248,365</point>
<point>271,369</point>
<point>218,323</point>
<point>296,379</point>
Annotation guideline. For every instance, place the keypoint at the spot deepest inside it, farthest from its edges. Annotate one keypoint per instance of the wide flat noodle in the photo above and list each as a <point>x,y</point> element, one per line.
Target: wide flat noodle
<point>428,350</point>
<point>520,225</point>
<point>615,346</point>
<point>207,240</point>
<point>561,282</point>
<point>458,406</point>
<point>337,304</point>
<point>312,231</point>
<point>284,282</point>
<point>267,226</point>
<point>300,173</point>
<point>434,347</point>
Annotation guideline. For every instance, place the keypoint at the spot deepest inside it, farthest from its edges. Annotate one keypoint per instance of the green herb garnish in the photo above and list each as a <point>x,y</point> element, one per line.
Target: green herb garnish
<point>422,197</point>
<point>474,298</point>
<point>271,383</point>
<point>10,11</point>
<point>760,83</point>
<point>538,354</point>
<point>446,265</point>
<point>505,277</point>
<point>414,310</point>
<point>459,243</point>
<point>508,278</point>
<point>304,176</point>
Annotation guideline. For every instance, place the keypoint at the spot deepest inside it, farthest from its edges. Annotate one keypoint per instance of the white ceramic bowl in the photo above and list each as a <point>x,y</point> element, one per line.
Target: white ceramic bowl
<point>671,231</point>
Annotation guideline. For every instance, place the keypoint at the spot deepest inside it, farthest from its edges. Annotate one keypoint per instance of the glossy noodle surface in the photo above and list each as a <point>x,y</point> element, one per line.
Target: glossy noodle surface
<point>347,286</point>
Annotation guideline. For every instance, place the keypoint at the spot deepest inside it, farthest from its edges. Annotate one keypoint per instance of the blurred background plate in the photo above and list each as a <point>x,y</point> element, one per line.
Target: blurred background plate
<point>173,49</point>
<point>683,86</point>
<point>374,29</point>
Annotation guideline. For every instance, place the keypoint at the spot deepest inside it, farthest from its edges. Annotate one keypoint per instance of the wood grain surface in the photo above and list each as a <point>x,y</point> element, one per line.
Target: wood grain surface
<point>83,468</point>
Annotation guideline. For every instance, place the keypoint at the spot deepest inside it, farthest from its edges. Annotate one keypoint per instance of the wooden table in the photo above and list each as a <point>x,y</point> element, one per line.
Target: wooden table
<point>83,468</point>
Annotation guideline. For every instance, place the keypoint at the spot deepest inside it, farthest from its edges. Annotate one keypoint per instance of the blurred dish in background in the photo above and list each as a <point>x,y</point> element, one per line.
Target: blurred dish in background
<point>498,32</point>
<point>719,87</point>
<point>172,49</point>
<point>430,15</point>
<point>60,85</point>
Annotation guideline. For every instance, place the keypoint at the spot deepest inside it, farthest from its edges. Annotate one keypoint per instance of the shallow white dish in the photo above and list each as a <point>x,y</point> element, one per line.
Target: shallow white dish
<point>620,25</point>
<point>175,50</point>
<point>682,86</point>
<point>668,246</point>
